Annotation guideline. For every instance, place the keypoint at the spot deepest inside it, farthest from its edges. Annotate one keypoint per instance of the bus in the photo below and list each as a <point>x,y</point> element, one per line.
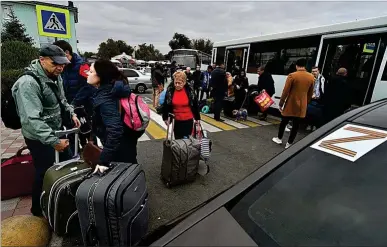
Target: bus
<point>358,46</point>
<point>191,58</point>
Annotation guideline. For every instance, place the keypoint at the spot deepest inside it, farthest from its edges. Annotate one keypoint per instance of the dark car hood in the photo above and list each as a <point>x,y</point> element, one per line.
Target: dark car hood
<point>218,229</point>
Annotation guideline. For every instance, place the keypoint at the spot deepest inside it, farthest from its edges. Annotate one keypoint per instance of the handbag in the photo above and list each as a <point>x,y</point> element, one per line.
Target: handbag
<point>91,152</point>
<point>205,142</point>
<point>17,175</point>
<point>264,101</point>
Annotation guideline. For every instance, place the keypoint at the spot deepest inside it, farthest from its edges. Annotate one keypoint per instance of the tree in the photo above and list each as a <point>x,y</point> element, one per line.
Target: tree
<point>123,47</point>
<point>15,56</point>
<point>180,41</point>
<point>88,54</point>
<point>14,30</point>
<point>148,52</point>
<point>112,48</point>
<point>108,49</point>
<point>204,45</point>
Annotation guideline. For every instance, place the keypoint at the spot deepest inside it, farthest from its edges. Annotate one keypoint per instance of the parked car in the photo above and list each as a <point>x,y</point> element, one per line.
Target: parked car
<point>138,81</point>
<point>328,189</point>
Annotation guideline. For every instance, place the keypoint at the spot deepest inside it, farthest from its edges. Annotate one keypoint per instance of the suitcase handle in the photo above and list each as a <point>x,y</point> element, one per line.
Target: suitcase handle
<point>171,116</point>
<point>67,162</point>
<point>60,133</point>
<point>20,151</point>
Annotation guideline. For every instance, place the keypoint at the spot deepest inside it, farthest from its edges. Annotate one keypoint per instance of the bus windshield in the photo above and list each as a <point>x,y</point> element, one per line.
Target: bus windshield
<point>188,61</point>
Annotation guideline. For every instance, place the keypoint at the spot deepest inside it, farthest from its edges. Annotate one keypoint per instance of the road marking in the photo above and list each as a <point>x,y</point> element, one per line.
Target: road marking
<point>217,124</point>
<point>155,131</point>
<point>144,137</point>
<point>260,122</point>
<point>351,141</point>
<point>273,120</point>
<point>230,122</point>
<point>205,125</point>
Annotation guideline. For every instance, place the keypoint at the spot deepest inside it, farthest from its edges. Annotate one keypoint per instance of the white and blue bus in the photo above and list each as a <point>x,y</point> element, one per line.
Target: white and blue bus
<point>358,46</point>
<point>191,58</point>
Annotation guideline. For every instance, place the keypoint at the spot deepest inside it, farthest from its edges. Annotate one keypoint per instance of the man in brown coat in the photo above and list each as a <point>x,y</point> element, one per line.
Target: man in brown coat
<point>294,101</point>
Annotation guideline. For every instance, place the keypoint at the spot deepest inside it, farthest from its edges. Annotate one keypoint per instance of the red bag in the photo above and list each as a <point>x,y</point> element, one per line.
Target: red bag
<point>264,101</point>
<point>17,175</point>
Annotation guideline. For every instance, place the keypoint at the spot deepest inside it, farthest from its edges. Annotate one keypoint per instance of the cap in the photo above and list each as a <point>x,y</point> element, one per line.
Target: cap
<point>55,53</point>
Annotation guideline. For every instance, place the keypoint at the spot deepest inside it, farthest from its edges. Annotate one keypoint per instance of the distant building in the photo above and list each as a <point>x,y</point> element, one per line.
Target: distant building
<point>44,22</point>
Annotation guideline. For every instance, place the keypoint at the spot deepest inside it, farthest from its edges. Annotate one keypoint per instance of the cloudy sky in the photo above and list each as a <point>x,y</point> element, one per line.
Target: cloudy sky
<point>156,22</point>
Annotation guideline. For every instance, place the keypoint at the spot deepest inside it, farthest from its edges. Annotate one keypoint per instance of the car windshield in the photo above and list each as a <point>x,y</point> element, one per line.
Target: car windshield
<point>319,199</point>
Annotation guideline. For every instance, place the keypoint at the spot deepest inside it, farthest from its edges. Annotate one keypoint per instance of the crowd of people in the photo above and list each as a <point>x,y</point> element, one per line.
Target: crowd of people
<point>63,82</point>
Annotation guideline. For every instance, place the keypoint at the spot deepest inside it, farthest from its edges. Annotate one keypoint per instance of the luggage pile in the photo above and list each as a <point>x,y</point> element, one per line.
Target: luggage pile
<point>111,207</point>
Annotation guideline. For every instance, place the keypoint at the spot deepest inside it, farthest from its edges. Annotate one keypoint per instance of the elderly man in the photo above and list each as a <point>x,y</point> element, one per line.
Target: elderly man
<point>42,108</point>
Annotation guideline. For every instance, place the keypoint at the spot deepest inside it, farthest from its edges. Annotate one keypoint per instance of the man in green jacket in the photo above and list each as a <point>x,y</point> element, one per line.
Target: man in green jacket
<point>40,114</point>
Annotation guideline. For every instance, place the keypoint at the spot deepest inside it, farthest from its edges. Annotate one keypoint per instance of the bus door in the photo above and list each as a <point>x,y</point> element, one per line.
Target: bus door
<point>236,58</point>
<point>361,55</point>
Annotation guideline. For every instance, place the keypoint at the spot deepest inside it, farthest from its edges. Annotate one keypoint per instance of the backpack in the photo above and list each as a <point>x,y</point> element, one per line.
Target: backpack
<point>9,112</point>
<point>136,112</point>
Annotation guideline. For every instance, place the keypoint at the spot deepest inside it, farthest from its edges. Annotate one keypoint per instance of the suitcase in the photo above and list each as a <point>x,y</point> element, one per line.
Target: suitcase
<point>180,159</point>
<point>60,184</point>
<point>17,175</point>
<point>113,207</point>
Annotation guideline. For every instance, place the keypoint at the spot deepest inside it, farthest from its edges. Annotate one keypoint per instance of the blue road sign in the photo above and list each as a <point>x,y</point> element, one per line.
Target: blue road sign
<point>54,22</point>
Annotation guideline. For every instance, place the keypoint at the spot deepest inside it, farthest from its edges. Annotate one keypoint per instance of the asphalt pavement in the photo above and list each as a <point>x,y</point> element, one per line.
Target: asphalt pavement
<point>236,153</point>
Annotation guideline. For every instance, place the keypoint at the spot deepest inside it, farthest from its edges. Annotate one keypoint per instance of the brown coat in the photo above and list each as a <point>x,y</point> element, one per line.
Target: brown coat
<point>297,94</point>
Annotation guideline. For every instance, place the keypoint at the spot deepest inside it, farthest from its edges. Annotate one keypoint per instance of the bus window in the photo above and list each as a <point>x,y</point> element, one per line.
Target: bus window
<point>279,57</point>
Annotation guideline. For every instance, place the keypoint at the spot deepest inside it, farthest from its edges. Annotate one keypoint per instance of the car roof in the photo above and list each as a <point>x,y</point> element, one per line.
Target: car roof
<point>373,115</point>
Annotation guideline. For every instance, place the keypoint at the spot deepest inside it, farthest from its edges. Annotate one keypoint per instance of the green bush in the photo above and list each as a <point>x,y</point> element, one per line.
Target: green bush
<point>17,55</point>
<point>9,77</point>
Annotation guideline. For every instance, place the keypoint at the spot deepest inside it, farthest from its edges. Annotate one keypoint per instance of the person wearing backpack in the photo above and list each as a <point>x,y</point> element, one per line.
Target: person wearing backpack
<point>42,107</point>
<point>118,139</point>
<point>78,93</point>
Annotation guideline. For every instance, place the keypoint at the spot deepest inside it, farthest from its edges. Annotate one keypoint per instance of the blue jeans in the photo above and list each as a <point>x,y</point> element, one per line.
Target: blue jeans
<point>43,157</point>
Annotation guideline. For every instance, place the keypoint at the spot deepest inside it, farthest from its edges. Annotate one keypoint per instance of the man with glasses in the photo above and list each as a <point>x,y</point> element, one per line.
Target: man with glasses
<point>41,113</point>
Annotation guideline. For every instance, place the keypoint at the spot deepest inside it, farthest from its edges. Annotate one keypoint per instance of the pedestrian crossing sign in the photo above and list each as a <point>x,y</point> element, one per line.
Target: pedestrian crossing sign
<point>53,22</point>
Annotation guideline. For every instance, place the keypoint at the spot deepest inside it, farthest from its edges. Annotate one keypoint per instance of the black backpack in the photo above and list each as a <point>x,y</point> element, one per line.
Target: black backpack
<point>9,114</point>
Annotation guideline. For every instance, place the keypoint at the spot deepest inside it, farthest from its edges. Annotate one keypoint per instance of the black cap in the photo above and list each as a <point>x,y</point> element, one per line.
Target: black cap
<point>55,53</point>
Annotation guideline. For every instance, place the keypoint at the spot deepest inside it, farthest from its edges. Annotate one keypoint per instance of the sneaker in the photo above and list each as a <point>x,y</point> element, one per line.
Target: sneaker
<point>309,128</point>
<point>289,126</point>
<point>287,129</point>
<point>287,145</point>
<point>277,140</point>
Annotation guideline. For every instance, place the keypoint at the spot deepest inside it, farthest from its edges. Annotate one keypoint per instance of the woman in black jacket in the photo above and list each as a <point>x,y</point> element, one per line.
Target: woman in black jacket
<point>119,141</point>
<point>180,100</point>
<point>241,85</point>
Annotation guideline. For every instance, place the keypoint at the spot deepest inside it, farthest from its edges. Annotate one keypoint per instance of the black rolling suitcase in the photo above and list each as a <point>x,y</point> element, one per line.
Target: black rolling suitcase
<point>113,207</point>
